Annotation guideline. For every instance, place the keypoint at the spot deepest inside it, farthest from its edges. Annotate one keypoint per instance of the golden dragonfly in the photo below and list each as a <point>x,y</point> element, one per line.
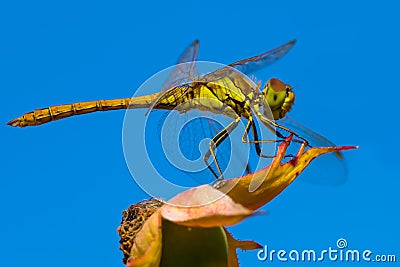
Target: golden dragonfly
<point>224,91</point>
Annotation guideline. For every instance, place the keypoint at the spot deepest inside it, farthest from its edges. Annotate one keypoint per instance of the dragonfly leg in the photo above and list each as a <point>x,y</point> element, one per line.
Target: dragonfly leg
<point>268,122</point>
<point>245,138</point>
<point>215,142</point>
<point>248,168</point>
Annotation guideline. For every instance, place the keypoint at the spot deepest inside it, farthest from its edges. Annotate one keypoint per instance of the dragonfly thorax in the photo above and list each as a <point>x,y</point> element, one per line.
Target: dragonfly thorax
<point>279,97</point>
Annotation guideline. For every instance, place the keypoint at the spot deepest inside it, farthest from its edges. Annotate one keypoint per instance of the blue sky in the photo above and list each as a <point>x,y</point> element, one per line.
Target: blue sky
<point>65,184</point>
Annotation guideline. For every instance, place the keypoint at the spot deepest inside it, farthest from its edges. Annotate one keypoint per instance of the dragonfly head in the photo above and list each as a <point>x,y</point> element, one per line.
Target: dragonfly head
<point>279,97</point>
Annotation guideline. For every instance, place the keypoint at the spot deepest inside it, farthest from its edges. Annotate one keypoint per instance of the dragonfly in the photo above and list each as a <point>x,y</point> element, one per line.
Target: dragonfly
<point>228,91</point>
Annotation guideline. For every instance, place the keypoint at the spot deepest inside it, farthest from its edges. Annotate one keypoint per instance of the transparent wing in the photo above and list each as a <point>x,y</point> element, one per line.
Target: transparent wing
<point>329,169</point>
<point>184,72</point>
<point>253,64</point>
<point>188,137</point>
<point>314,138</point>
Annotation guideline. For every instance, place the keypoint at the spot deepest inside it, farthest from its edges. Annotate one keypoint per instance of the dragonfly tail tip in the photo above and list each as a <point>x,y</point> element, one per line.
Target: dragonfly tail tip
<point>14,122</point>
